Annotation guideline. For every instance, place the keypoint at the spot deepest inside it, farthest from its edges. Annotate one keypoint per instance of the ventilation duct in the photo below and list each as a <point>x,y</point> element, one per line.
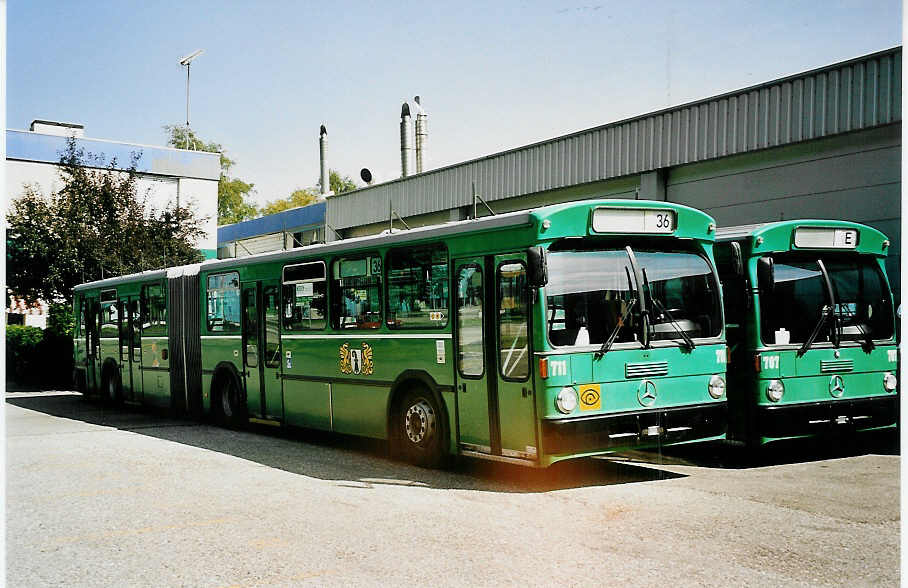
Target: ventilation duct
<point>406,143</point>
<point>323,162</point>
<point>422,133</point>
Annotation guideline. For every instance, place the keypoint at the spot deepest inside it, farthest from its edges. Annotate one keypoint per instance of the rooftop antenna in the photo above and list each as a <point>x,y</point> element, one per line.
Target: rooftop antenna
<point>186,61</point>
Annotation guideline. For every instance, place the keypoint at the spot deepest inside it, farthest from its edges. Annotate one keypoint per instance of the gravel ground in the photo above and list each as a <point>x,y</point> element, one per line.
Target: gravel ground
<point>99,497</point>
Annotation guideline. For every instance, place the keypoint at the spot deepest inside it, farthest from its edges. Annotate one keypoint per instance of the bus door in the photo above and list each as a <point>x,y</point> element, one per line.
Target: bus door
<point>89,335</point>
<point>516,401</point>
<point>474,396</point>
<point>495,401</point>
<point>262,355</point>
<point>93,340</point>
<point>130,348</point>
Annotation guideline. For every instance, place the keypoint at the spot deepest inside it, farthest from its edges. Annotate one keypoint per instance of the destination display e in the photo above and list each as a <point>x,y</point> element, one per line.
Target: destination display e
<point>633,220</point>
<point>825,238</point>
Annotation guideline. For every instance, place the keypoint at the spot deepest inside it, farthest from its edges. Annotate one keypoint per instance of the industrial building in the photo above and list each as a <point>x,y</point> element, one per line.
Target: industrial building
<point>283,230</point>
<point>825,143</point>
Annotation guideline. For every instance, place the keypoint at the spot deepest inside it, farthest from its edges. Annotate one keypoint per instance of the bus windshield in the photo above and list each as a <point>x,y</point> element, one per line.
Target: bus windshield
<point>591,293</point>
<point>863,308</point>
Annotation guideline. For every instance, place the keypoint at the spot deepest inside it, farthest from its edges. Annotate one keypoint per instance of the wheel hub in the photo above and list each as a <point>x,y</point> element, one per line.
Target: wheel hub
<point>419,422</point>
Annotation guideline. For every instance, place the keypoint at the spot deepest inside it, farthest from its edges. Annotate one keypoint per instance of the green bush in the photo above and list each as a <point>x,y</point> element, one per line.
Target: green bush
<point>42,358</point>
<point>23,349</point>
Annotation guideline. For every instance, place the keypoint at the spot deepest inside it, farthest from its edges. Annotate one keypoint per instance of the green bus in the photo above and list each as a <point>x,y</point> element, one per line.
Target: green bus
<point>529,337</point>
<point>811,329</point>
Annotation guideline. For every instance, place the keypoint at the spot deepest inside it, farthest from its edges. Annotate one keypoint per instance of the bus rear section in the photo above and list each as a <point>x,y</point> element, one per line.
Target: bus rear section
<point>629,337</point>
<point>811,327</point>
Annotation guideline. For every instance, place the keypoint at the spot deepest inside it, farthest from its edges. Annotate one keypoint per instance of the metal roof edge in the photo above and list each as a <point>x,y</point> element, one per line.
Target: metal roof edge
<point>637,118</point>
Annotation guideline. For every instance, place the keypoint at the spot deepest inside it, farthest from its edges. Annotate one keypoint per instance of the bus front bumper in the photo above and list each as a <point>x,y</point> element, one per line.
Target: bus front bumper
<point>647,428</point>
<point>817,418</point>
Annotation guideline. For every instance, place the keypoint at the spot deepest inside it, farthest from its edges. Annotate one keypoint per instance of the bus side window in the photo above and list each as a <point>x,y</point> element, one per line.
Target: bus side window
<point>223,296</point>
<point>418,287</point>
<point>154,310</point>
<point>356,292</point>
<point>471,355</point>
<point>305,300</point>
<point>513,313</point>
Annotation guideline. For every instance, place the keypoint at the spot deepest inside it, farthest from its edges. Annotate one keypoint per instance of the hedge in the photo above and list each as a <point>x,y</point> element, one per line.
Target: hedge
<point>36,357</point>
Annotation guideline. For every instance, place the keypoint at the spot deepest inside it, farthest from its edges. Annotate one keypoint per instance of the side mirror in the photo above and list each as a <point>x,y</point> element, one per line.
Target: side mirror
<point>765,274</point>
<point>737,259</point>
<point>537,268</point>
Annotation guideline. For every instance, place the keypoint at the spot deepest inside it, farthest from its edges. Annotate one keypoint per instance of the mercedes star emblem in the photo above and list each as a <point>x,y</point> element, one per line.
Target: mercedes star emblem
<point>836,386</point>
<point>646,393</point>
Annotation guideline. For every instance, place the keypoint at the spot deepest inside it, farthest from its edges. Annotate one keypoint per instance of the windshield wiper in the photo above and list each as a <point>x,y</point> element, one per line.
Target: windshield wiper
<point>607,344</point>
<point>868,340</point>
<point>677,326</point>
<point>824,314</point>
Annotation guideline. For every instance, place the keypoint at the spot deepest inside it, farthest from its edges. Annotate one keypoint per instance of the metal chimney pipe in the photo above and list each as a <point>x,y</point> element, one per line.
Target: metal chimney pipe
<point>422,133</point>
<point>406,146</point>
<point>323,160</point>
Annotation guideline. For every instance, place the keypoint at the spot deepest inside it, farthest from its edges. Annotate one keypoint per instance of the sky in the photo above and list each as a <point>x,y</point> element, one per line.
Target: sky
<point>491,75</point>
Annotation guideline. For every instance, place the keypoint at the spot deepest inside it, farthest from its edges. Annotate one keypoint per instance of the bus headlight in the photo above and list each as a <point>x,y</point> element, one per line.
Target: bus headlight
<point>717,386</point>
<point>775,390</point>
<point>566,401</point>
<point>890,382</point>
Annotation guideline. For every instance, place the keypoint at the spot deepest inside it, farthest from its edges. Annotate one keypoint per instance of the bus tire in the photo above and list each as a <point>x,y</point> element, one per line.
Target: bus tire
<point>419,429</point>
<point>112,390</point>
<point>229,406</point>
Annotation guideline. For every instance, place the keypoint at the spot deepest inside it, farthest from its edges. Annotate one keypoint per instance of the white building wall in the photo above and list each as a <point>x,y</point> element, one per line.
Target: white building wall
<point>201,195</point>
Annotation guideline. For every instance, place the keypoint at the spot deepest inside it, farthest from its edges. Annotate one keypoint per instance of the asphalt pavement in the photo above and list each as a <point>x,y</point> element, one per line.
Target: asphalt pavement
<point>120,497</point>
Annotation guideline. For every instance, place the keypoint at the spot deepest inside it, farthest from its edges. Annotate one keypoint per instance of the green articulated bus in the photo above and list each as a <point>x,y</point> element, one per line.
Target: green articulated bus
<point>529,337</point>
<point>811,329</point>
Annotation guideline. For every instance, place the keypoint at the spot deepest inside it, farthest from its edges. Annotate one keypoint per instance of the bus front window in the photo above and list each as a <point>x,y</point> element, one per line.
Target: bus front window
<point>590,294</point>
<point>863,307</point>
<point>682,294</point>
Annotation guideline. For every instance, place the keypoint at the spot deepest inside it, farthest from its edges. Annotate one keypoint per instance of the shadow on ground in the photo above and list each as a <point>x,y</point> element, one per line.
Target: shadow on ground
<point>721,454</point>
<point>350,461</point>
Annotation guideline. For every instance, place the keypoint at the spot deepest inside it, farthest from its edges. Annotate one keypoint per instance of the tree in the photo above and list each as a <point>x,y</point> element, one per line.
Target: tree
<point>339,184</point>
<point>96,226</point>
<point>300,197</point>
<point>233,205</point>
<point>306,196</point>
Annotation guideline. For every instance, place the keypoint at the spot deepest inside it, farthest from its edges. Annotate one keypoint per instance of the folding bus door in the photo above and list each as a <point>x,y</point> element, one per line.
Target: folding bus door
<point>262,355</point>
<point>474,395</point>
<point>516,403</point>
<point>130,349</point>
<point>496,410</point>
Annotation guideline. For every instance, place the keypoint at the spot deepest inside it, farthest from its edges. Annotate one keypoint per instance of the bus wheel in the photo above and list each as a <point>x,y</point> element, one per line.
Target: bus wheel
<point>419,431</point>
<point>111,390</point>
<point>228,406</point>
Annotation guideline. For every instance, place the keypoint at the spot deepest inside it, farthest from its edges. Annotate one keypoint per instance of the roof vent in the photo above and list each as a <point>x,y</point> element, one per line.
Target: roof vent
<point>61,129</point>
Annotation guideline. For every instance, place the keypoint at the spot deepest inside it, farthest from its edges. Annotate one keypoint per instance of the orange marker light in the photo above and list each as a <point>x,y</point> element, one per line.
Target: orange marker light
<point>544,368</point>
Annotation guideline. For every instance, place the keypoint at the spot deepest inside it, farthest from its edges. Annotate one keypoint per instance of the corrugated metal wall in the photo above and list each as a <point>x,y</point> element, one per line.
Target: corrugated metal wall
<point>858,94</point>
<point>855,177</point>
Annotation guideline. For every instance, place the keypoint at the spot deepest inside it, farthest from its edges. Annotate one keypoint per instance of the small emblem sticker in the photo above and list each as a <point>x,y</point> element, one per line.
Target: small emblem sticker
<point>356,360</point>
<point>590,397</point>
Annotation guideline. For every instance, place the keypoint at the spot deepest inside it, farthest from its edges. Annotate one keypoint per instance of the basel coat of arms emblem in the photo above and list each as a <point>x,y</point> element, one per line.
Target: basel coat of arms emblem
<point>356,360</point>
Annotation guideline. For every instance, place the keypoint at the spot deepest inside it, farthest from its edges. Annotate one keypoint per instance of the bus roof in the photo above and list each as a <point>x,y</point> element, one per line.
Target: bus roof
<point>782,236</point>
<point>699,223</point>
